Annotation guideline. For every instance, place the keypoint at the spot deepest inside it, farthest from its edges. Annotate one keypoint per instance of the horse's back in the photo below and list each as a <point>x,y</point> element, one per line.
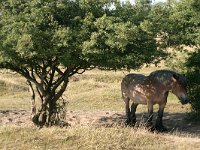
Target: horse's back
<point>132,88</point>
<point>130,80</point>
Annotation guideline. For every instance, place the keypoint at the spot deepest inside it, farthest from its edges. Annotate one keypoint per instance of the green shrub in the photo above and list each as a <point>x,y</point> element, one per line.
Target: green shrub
<point>193,76</point>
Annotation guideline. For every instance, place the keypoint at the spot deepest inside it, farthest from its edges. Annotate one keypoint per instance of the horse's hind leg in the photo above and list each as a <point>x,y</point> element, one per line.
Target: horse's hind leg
<point>133,116</point>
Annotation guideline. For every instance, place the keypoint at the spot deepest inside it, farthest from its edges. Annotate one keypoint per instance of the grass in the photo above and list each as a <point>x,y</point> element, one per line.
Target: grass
<point>89,138</point>
<point>93,91</point>
<point>14,93</point>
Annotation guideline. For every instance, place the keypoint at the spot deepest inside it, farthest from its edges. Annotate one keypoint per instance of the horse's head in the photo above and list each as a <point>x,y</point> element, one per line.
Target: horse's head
<point>179,88</point>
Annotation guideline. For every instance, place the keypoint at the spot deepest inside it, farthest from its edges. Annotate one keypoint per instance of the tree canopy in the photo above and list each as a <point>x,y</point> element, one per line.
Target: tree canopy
<point>178,20</point>
<point>49,41</point>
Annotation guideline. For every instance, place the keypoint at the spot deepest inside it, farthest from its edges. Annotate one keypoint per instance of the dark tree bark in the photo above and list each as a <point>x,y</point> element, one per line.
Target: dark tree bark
<point>50,90</point>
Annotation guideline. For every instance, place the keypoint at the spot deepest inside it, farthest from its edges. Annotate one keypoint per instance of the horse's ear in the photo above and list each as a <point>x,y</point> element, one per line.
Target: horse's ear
<point>174,77</point>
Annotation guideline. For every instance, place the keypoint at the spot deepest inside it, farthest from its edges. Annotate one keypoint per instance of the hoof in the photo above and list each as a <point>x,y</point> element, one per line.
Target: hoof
<point>149,124</point>
<point>160,128</point>
<point>129,123</point>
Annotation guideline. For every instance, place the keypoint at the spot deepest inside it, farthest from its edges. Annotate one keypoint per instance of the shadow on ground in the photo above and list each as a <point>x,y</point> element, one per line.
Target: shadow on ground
<point>175,122</point>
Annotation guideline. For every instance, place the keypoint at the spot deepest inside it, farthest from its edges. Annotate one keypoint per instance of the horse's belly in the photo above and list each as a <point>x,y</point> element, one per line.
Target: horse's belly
<point>139,99</point>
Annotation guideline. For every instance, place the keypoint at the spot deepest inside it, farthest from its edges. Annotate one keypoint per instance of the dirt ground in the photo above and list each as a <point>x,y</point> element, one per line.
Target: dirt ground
<point>173,122</point>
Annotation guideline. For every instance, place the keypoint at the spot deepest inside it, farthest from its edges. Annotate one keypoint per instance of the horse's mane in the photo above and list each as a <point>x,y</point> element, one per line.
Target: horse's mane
<point>164,76</point>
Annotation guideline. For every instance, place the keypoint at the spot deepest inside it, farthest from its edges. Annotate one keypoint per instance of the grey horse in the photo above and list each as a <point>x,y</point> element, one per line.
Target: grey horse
<point>151,90</point>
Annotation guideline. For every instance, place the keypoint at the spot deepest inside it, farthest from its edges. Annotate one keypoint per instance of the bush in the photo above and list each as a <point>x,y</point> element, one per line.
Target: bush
<point>193,76</point>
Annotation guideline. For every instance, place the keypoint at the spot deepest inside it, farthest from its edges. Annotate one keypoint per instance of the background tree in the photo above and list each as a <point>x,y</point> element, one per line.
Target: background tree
<point>180,21</point>
<point>47,42</point>
<point>193,76</point>
<point>184,21</point>
<point>136,13</point>
<point>177,20</point>
<point>193,66</point>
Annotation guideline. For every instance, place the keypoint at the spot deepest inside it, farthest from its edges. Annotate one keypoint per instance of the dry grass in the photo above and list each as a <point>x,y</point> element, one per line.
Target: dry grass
<point>89,138</point>
<point>14,92</point>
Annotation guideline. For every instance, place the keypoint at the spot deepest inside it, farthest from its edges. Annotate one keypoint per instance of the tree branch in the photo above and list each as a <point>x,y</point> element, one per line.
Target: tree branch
<point>41,96</point>
<point>60,80</point>
<point>33,106</point>
<point>62,90</point>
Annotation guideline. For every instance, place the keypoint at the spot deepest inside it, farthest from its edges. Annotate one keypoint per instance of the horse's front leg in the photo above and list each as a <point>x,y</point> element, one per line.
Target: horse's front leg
<point>159,124</point>
<point>150,114</point>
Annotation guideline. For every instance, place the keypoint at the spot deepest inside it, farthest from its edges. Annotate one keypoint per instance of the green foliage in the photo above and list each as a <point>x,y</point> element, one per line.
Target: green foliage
<point>136,13</point>
<point>193,76</point>
<point>178,58</point>
<point>49,41</point>
<point>158,16</point>
<point>77,33</point>
<point>184,23</point>
<point>193,67</point>
<point>177,20</point>
<point>178,25</point>
<point>196,5</point>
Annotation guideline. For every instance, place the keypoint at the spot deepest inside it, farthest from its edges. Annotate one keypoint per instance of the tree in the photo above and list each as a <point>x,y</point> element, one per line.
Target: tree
<point>193,68</point>
<point>135,13</point>
<point>177,19</point>
<point>47,42</point>
<point>184,24</point>
<point>180,21</point>
<point>193,76</point>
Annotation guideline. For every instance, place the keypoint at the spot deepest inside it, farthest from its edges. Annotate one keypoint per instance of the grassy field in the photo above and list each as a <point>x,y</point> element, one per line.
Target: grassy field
<point>94,91</point>
<point>89,138</point>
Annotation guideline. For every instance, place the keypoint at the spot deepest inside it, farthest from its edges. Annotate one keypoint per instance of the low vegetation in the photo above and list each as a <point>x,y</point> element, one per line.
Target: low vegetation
<point>88,138</point>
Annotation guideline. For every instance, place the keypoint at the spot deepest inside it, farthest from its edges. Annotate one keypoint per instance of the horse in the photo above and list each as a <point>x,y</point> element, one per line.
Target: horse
<point>150,90</point>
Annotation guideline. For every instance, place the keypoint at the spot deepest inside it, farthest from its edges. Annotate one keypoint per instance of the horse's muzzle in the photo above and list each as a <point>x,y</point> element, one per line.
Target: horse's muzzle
<point>183,100</point>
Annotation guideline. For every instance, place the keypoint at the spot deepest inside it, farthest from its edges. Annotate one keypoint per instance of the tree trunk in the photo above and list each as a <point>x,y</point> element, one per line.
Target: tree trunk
<point>33,105</point>
<point>46,114</point>
<point>50,109</point>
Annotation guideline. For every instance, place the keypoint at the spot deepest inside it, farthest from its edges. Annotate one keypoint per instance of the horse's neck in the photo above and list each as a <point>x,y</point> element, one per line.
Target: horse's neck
<point>161,84</point>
